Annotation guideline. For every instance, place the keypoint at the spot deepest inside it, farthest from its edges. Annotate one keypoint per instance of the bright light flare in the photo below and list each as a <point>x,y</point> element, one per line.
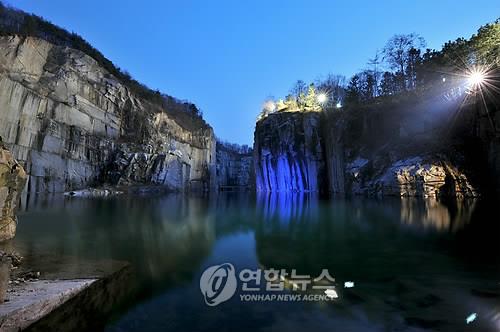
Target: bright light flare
<point>322,98</point>
<point>339,105</point>
<point>476,78</point>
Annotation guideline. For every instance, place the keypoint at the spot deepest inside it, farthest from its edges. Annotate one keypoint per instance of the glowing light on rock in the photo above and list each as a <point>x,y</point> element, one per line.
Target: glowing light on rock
<point>339,105</point>
<point>270,106</point>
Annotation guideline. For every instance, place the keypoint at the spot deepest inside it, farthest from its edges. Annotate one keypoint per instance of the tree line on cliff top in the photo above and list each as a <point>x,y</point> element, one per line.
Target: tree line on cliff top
<point>17,22</point>
<point>401,69</point>
<point>223,145</point>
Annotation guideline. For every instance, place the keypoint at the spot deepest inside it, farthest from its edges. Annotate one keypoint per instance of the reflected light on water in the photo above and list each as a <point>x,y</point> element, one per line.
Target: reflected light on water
<point>288,206</point>
<point>433,214</point>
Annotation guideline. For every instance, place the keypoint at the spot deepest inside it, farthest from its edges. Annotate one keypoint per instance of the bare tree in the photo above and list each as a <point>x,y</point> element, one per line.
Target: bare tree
<point>374,63</point>
<point>299,89</point>
<point>399,53</point>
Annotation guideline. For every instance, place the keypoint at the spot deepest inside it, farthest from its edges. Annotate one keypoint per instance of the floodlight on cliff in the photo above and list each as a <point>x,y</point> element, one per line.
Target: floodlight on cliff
<point>322,98</point>
<point>270,106</point>
<point>476,78</point>
<point>480,79</point>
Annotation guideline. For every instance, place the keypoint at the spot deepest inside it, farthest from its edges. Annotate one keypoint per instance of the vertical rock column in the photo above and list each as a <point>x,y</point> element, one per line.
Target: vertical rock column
<point>332,130</point>
<point>12,182</point>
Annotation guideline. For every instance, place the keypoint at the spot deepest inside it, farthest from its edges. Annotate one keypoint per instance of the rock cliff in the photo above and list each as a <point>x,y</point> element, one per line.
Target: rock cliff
<point>12,182</point>
<point>235,170</point>
<point>420,176</point>
<point>73,124</point>
<point>289,153</point>
<point>324,152</point>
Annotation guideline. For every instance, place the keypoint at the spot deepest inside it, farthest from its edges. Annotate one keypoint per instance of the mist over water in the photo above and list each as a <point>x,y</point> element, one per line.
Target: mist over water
<point>416,264</point>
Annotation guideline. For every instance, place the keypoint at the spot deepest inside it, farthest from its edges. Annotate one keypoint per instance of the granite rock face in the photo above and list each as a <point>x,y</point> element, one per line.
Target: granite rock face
<point>289,154</point>
<point>170,169</point>
<point>12,183</point>
<point>64,117</point>
<point>305,151</point>
<point>429,176</point>
<point>235,170</point>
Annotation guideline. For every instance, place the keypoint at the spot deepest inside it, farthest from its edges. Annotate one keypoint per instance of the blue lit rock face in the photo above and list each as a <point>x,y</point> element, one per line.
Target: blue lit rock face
<point>289,153</point>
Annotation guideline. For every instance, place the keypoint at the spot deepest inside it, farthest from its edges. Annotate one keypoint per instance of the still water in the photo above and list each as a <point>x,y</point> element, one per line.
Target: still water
<point>416,265</point>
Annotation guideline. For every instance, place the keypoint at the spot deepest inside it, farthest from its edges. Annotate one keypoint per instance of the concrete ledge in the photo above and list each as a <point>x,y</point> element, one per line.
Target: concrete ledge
<point>29,302</point>
<point>72,296</point>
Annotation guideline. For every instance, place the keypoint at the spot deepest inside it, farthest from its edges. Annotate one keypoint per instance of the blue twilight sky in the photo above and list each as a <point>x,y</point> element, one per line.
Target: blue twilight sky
<point>228,56</point>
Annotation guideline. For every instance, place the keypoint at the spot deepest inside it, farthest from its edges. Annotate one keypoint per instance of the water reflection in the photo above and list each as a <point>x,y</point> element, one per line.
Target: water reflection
<point>357,237</point>
<point>288,206</point>
<point>450,216</point>
<point>163,238</point>
<point>402,255</point>
<point>409,259</point>
<point>422,214</point>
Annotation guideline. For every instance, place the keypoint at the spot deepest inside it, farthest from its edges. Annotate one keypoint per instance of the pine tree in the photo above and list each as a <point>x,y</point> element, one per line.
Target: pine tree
<point>369,86</point>
<point>311,102</point>
<point>353,93</point>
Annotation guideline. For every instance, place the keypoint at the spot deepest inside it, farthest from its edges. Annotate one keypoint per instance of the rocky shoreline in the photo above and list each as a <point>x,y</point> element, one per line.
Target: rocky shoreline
<point>12,183</point>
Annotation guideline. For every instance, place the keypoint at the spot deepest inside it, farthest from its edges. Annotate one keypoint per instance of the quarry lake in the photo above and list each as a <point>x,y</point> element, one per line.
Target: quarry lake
<point>414,264</point>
